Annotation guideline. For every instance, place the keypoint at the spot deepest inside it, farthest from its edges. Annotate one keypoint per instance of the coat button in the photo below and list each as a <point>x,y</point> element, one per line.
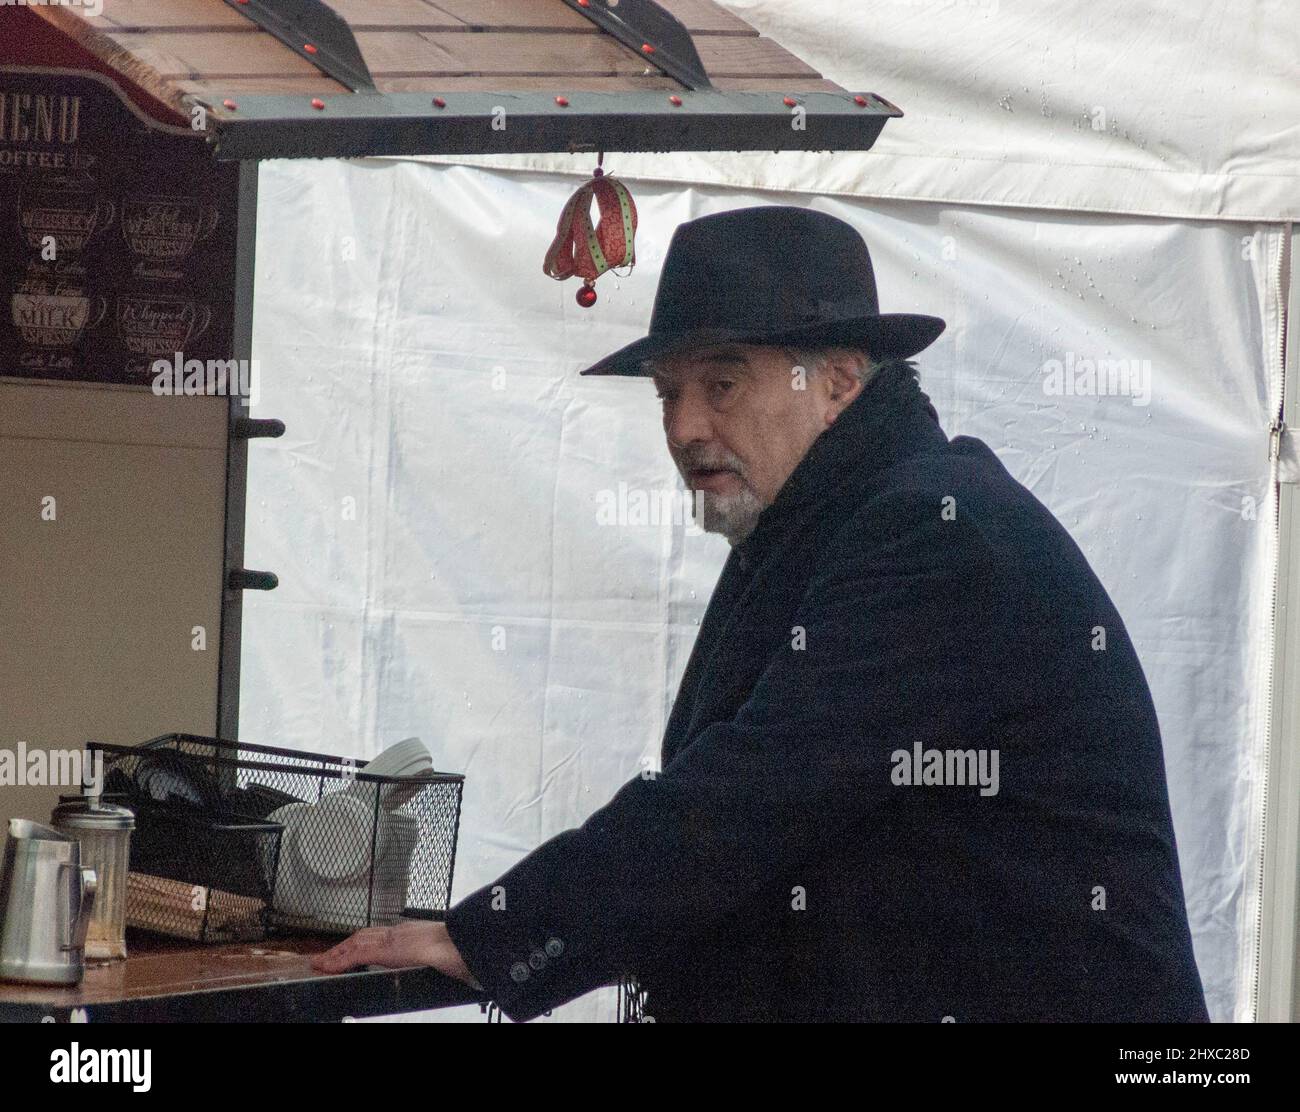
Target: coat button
<point>537,959</point>
<point>554,947</point>
<point>519,972</point>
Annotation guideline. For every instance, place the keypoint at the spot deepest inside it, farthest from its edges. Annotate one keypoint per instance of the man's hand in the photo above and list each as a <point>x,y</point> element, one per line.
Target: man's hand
<point>414,942</point>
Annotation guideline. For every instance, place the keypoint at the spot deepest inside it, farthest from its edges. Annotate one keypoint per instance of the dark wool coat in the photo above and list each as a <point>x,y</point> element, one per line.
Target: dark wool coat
<point>902,594</point>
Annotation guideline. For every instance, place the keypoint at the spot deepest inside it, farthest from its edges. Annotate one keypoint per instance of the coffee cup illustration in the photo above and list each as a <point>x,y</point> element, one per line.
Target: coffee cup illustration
<point>67,209</point>
<point>54,317</point>
<point>160,325</point>
<point>166,228</point>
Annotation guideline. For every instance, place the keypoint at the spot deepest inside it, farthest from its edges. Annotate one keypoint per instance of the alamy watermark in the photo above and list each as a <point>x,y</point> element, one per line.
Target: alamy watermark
<point>192,378</point>
<point>102,1065</point>
<point>1098,378</point>
<point>49,768</point>
<point>654,508</point>
<point>945,768</point>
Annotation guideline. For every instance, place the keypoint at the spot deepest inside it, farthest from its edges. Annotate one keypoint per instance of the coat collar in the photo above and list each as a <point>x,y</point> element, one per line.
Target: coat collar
<point>890,420</point>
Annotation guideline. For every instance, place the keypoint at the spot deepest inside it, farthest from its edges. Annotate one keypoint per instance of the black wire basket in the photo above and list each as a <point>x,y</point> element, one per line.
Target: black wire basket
<point>264,838</point>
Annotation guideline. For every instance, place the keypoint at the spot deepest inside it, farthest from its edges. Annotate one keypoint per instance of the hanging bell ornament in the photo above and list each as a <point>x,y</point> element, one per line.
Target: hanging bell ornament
<point>583,251</point>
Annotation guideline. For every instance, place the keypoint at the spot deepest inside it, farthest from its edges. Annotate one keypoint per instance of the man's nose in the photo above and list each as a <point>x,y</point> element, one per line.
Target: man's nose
<point>688,420</point>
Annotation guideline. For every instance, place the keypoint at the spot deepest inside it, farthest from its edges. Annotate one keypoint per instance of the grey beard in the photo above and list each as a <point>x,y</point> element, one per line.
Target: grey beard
<point>732,515</point>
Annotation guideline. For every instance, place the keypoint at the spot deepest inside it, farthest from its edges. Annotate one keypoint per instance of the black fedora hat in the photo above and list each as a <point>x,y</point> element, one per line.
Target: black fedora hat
<point>770,274</point>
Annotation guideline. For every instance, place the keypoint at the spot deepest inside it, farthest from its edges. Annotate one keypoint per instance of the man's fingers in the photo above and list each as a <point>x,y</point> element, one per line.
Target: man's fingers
<point>361,948</point>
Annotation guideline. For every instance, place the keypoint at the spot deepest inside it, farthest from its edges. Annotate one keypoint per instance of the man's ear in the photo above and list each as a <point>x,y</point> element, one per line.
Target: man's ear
<point>842,382</point>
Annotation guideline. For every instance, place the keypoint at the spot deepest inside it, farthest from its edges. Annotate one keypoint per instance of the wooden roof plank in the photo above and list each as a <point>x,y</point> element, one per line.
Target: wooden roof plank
<point>705,16</point>
<point>413,53</point>
<point>198,55</point>
<point>698,16</point>
<point>204,15</point>
<point>512,15</point>
<point>798,84</point>
<point>521,83</point>
<point>734,56</point>
<point>320,85</point>
<point>308,85</point>
<point>191,15</point>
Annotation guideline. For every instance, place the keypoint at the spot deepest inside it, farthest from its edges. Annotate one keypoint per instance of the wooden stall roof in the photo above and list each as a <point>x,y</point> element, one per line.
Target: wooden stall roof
<point>530,52</point>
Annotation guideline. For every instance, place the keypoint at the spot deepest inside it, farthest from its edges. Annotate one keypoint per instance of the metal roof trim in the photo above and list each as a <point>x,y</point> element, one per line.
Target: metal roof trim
<point>362,124</point>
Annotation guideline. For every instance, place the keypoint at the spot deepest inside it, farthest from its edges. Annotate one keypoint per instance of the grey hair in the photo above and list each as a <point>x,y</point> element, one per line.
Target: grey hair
<point>814,360</point>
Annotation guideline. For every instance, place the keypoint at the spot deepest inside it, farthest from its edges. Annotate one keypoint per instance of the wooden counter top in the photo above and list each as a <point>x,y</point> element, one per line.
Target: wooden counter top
<point>164,980</point>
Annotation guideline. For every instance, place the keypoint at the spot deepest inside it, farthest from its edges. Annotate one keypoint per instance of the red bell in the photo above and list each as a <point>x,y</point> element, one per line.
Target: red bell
<point>586,297</point>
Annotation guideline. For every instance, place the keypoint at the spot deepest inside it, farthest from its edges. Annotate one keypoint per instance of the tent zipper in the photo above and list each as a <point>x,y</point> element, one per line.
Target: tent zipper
<point>1276,431</point>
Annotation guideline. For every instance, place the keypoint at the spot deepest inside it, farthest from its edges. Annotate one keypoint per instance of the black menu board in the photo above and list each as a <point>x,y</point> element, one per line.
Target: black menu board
<point>117,237</point>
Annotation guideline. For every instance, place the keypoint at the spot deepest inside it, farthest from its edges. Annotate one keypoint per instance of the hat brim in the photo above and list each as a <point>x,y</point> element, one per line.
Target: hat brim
<point>888,336</point>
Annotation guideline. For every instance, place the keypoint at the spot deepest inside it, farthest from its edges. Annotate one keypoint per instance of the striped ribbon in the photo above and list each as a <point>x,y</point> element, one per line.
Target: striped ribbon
<point>586,251</point>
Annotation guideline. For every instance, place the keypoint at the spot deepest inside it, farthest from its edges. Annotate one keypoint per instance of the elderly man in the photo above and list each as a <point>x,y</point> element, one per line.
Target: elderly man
<point>913,771</point>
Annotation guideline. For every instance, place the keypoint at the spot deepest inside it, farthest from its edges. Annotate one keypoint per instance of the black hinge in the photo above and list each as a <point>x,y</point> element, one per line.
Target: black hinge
<point>314,31</point>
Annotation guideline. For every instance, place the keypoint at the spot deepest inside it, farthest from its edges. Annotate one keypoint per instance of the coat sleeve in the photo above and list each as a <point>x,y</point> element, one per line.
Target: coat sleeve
<point>748,798</point>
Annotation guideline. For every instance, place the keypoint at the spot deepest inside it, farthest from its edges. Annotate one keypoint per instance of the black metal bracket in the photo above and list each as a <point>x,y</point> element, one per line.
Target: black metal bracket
<point>251,428</point>
<point>245,579</point>
<point>314,31</point>
<point>658,36</point>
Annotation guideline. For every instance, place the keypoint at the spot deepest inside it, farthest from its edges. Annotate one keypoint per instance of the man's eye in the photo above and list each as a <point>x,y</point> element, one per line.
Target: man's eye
<point>722,385</point>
